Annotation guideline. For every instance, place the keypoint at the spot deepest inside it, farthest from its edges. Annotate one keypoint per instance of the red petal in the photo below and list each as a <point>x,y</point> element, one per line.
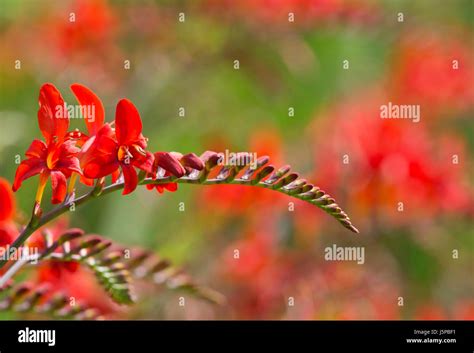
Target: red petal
<point>115,175</point>
<point>64,157</point>
<point>71,266</point>
<point>146,163</point>
<point>89,101</point>
<point>171,186</point>
<point>7,201</point>
<point>107,145</point>
<point>27,169</point>
<point>130,178</point>
<point>128,125</point>
<point>161,187</point>
<point>68,165</point>
<point>67,148</point>
<point>53,127</point>
<point>37,149</point>
<point>99,168</point>
<point>104,131</point>
<point>87,181</point>
<point>102,145</point>
<point>169,163</point>
<point>58,184</point>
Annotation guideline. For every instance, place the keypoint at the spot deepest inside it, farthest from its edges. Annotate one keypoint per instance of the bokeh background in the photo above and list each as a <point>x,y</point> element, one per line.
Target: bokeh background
<point>407,186</point>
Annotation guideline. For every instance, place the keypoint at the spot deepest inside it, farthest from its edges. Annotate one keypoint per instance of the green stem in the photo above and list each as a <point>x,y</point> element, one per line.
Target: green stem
<point>35,222</point>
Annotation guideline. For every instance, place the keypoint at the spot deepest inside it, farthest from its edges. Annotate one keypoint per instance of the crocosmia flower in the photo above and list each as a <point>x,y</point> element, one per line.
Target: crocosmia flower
<point>122,148</point>
<point>55,157</point>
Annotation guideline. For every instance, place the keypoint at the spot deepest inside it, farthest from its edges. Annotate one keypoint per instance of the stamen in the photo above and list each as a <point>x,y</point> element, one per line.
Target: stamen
<point>139,150</point>
<point>123,153</point>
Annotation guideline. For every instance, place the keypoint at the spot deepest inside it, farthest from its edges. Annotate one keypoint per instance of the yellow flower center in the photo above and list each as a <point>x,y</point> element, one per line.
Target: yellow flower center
<point>123,153</point>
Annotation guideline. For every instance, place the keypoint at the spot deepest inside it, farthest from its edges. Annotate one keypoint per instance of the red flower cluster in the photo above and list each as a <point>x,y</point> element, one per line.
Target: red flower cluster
<point>92,30</point>
<point>258,275</point>
<point>107,149</point>
<point>390,161</point>
<point>435,70</point>
<point>265,274</point>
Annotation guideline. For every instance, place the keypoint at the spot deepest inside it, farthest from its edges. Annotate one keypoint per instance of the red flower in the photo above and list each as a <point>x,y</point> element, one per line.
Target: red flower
<point>259,274</point>
<point>93,31</point>
<point>390,161</point>
<point>56,157</point>
<point>436,71</point>
<point>7,211</point>
<point>123,147</point>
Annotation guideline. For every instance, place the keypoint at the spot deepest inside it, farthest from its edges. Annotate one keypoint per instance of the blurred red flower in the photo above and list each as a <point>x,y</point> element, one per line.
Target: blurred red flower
<point>93,26</point>
<point>8,229</point>
<point>393,169</point>
<point>68,277</point>
<point>74,280</point>
<point>435,71</point>
<point>343,291</point>
<point>265,276</point>
<point>464,310</point>
<point>81,37</point>
<point>257,274</point>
